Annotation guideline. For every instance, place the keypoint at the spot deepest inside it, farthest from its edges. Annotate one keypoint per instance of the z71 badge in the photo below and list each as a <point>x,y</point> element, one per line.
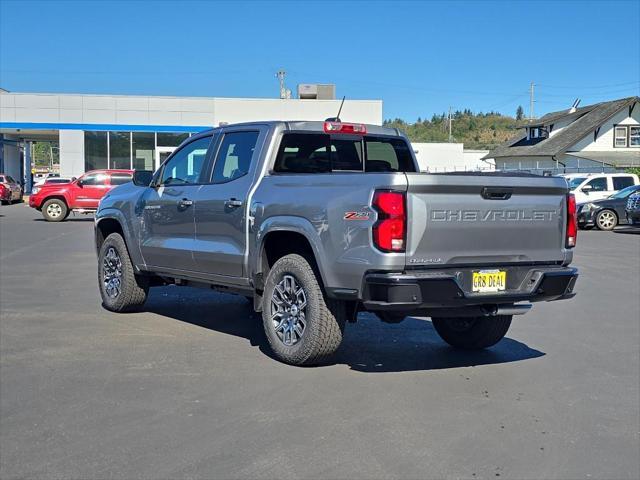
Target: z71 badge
<point>356,216</point>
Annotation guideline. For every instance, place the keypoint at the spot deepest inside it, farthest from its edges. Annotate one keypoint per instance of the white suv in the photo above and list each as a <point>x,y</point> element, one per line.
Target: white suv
<point>588,187</point>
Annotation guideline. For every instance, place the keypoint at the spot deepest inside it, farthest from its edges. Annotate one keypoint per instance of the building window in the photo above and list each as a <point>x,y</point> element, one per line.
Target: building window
<point>120,150</point>
<point>634,136</point>
<point>168,139</point>
<point>620,139</point>
<point>96,153</point>
<point>144,150</point>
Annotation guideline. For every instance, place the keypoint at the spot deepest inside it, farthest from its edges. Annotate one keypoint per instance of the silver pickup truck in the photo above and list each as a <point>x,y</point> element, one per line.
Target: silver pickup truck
<point>316,221</point>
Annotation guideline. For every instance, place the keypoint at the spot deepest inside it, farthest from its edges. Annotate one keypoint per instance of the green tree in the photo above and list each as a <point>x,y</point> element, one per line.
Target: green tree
<point>519,113</point>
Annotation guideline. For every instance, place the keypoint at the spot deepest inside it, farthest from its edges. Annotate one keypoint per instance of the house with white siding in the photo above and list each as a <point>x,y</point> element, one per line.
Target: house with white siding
<point>603,136</point>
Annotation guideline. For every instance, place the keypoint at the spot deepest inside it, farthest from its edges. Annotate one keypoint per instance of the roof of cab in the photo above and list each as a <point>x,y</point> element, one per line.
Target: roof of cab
<point>306,125</point>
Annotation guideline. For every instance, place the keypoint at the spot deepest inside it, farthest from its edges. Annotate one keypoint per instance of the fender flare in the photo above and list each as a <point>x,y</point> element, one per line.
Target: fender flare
<point>286,223</point>
<point>60,196</point>
<point>115,214</point>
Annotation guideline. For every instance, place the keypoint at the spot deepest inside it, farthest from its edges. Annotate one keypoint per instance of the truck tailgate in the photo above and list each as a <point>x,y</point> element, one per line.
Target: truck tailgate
<point>484,219</point>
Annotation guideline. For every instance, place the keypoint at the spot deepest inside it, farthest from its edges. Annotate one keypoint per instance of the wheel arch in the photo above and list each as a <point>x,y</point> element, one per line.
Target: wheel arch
<point>55,197</point>
<point>280,236</point>
<point>108,223</point>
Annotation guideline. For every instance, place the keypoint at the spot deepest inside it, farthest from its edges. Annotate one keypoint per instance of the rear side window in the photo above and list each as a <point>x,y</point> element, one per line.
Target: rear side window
<point>388,155</point>
<point>622,182</point>
<point>234,157</point>
<point>321,153</point>
<point>120,178</point>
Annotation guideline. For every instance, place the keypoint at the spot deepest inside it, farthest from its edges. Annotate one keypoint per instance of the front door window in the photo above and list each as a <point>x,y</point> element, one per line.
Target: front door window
<point>162,153</point>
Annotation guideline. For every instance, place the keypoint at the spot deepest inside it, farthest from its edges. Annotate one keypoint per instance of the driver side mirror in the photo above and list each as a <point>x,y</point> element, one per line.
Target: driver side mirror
<point>79,183</point>
<point>586,189</point>
<point>142,178</point>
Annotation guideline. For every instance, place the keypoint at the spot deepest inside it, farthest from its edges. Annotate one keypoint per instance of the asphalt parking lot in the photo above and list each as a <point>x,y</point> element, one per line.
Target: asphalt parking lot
<point>186,389</point>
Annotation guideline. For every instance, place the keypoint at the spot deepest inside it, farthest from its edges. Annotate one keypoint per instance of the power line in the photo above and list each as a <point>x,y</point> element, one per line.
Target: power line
<point>583,87</point>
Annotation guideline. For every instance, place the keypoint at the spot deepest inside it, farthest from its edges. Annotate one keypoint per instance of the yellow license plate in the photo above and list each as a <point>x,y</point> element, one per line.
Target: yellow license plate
<point>489,281</point>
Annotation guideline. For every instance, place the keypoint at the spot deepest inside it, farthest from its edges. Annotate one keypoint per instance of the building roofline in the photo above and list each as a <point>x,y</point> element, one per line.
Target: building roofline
<point>196,97</point>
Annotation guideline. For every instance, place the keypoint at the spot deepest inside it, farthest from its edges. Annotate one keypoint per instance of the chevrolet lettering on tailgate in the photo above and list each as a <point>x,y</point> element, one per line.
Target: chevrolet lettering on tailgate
<point>492,215</point>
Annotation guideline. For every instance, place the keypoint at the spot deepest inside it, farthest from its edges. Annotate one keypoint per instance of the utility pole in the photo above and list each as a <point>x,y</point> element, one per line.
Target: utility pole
<point>284,93</point>
<point>531,101</point>
<point>450,136</point>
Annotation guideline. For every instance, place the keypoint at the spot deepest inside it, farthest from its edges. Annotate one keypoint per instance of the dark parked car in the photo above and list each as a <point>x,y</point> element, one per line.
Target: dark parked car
<point>632,210</point>
<point>606,213</point>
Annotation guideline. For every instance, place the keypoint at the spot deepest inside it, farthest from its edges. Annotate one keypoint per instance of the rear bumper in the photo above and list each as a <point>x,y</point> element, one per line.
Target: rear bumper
<point>451,288</point>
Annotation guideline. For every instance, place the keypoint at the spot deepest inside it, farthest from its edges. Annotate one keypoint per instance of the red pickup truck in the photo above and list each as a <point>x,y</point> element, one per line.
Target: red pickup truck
<point>81,195</point>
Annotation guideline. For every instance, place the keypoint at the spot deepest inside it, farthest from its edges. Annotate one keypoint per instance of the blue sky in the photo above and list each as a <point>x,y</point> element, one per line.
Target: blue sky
<point>419,57</point>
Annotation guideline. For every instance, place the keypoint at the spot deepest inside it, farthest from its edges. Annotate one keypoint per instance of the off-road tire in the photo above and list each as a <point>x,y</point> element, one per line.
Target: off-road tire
<point>324,318</point>
<point>606,220</point>
<point>134,288</point>
<point>61,207</point>
<point>481,332</point>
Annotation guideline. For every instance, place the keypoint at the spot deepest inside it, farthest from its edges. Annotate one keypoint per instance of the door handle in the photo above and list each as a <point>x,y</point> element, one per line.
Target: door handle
<point>184,203</point>
<point>232,202</point>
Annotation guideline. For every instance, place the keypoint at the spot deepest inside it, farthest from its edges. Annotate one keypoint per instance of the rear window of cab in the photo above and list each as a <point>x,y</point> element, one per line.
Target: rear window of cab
<point>324,153</point>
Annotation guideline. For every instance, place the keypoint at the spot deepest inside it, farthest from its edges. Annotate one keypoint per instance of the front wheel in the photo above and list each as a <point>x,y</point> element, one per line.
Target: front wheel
<point>302,327</point>
<point>472,332</point>
<point>54,210</point>
<point>120,288</point>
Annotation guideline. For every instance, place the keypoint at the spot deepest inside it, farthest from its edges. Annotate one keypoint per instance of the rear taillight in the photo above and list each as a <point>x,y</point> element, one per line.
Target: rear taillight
<point>390,231</point>
<point>339,127</point>
<point>572,222</point>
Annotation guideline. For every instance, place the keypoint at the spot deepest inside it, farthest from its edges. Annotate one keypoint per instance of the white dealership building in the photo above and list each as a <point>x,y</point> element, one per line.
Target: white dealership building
<point>126,131</point>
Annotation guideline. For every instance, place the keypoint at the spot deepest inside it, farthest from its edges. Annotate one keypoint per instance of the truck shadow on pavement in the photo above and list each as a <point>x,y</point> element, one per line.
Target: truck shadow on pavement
<point>68,219</point>
<point>368,345</point>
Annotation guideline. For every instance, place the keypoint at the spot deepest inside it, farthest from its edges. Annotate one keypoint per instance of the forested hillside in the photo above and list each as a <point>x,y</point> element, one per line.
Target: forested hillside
<point>475,130</point>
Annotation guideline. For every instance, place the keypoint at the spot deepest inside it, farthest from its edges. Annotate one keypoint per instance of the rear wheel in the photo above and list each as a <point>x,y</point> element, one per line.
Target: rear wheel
<point>606,220</point>
<point>120,288</point>
<point>302,327</point>
<point>472,332</point>
<point>55,210</point>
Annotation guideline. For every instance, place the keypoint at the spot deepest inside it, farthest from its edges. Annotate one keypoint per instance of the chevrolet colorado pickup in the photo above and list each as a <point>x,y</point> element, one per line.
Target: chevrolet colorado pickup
<point>315,221</point>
